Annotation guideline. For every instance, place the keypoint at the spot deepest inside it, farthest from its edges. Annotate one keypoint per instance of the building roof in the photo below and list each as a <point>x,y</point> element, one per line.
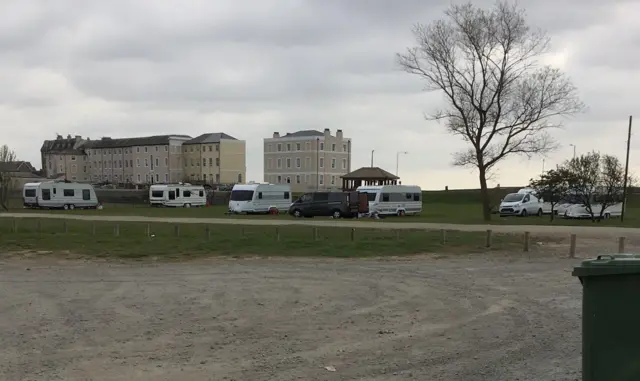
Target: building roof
<point>302,133</point>
<point>370,173</point>
<point>61,145</point>
<point>213,137</point>
<point>17,166</point>
<point>155,140</point>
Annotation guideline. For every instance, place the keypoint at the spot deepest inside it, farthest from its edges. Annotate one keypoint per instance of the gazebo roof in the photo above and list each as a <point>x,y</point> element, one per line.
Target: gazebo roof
<point>370,173</point>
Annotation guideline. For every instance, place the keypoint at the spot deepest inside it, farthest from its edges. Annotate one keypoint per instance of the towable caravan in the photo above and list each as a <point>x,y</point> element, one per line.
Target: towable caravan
<point>182,195</point>
<point>259,198</point>
<point>59,194</point>
<point>393,199</point>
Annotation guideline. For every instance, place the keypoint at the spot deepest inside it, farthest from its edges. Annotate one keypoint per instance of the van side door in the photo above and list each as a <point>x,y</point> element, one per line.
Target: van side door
<point>320,204</point>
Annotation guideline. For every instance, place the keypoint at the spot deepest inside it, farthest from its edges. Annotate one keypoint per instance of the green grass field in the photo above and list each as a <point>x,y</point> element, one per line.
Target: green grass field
<point>99,239</point>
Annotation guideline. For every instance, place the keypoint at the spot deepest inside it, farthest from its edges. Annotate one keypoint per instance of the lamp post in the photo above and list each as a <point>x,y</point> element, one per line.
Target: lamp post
<point>574,150</point>
<point>398,159</point>
<point>372,151</point>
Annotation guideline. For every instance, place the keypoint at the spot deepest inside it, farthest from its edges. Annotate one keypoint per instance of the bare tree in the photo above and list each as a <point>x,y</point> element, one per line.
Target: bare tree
<point>584,179</point>
<point>611,187</point>
<point>500,100</point>
<point>6,179</point>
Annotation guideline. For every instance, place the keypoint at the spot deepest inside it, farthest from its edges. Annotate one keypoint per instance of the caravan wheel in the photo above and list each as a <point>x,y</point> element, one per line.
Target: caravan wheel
<point>65,207</point>
<point>187,205</point>
<point>401,213</point>
<point>72,207</point>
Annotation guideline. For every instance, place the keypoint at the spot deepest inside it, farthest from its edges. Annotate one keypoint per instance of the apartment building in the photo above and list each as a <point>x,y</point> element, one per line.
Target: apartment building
<point>308,160</point>
<point>215,158</point>
<point>141,160</point>
<point>65,158</point>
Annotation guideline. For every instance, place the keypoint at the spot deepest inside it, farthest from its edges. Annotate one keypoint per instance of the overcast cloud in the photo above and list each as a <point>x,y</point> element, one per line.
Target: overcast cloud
<point>131,68</point>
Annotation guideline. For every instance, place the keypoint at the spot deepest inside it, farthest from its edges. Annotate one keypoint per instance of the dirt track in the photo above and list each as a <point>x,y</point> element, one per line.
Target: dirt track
<point>584,231</point>
<point>426,318</point>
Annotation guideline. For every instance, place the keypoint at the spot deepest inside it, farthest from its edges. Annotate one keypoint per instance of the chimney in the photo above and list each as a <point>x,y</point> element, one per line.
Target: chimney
<point>327,133</point>
<point>276,134</point>
<point>69,136</point>
<point>78,137</point>
<point>339,134</point>
<point>58,137</point>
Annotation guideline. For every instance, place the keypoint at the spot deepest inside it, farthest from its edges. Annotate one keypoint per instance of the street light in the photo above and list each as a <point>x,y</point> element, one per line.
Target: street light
<point>372,151</point>
<point>574,150</point>
<point>398,159</point>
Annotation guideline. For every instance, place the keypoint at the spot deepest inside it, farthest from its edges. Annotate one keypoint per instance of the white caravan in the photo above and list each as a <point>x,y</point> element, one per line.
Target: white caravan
<point>579,210</point>
<point>259,198</point>
<point>393,199</point>
<point>183,195</point>
<point>60,194</point>
<point>523,203</point>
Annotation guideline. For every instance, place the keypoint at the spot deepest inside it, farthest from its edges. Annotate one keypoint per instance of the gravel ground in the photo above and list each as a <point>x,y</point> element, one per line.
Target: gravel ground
<point>468,318</point>
<point>588,230</point>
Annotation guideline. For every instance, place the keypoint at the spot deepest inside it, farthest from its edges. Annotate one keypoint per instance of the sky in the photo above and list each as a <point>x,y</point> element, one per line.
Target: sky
<point>146,67</point>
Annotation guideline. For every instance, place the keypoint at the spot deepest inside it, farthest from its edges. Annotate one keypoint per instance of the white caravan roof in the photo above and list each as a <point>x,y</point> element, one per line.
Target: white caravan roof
<point>390,188</point>
<point>254,187</point>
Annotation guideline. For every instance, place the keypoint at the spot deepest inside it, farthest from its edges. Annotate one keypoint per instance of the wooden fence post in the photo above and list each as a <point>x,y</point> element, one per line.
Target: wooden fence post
<point>15,225</point>
<point>488,240</point>
<point>116,230</point>
<point>572,246</point>
<point>443,232</point>
<point>353,234</point>
<point>526,242</point>
<point>621,242</point>
<point>207,230</point>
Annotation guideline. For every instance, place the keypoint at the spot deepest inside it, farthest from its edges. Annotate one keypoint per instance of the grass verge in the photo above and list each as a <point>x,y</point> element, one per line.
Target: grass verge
<point>173,241</point>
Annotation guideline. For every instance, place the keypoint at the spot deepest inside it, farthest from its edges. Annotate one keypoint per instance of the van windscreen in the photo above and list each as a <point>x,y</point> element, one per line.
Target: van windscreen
<point>241,195</point>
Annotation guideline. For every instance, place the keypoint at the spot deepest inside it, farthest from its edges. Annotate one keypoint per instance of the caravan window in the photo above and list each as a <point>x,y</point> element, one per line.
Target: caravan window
<point>177,192</point>
<point>241,195</point>
<point>172,195</point>
<point>286,195</point>
<point>259,195</point>
<point>157,193</point>
<point>416,197</point>
<point>201,193</point>
<point>371,197</point>
<point>385,197</point>
<point>54,190</point>
<point>186,193</point>
<point>29,193</point>
<point>409,196</point>
<point>46,194</point>
<point>86,194</point>
<point>68,193</point>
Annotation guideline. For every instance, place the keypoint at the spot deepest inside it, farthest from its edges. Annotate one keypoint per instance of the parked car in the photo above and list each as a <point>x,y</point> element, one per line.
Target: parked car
<point>520,204</point>
<point>330,204</point>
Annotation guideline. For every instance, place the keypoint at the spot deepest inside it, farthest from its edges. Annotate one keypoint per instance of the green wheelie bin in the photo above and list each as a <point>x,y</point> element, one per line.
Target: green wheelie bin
<point>610,317</point>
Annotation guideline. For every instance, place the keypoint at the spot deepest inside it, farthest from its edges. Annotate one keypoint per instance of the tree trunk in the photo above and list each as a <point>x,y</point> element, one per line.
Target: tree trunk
<point>484,194</point>
<point>552,212</point>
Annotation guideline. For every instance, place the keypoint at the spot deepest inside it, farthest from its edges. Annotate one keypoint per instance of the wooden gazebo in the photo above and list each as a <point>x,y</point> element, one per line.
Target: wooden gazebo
<point>368,176</point>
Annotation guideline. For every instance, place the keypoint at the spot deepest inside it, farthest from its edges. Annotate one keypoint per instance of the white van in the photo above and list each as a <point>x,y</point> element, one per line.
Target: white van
<point>60,194</point>
<point>523,203</point>
<point>397,200</point>
<point>183,195</point>
<point>259,198</point>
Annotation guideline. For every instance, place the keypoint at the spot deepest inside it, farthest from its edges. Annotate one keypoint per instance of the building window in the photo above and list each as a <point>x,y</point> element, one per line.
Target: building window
<point>269,163</point>
<point>306,146</point>
<point>333,147</point>
<point>210,148</point>
<point>146,162</point>
<point>146,149</point>
<point>321,146</point>
<point>322,162</point>
<point>204,162</point>
<point>217,178</point>
<point>288,146</point>
<point>307,178</point>
<point>166,177</point>
<point>321,179</point>
<point>166,161</point>
<point>333,180</point>
<point>74,169</point>
<point>131,163</point>
<point>288,180</point>
<point>307,162</point>
<point>73,158</point>
<point>298,162</point>
<point>239,177</point>
<point>269,148</point>
<point>279,163</point>
<point>156,151</point>
<point>297,179</point>
<point>138,151</point>
<point>333,163</point>
<point>344,148</point>
<point>217,162</point>
<point>217,147</point>
<point>191,148</point>
<point>211,162</point>
<point>156,161</point>
<point>279,147</point>
<point>279,179</point>
<point>138,177</point>
<point>193,163</point>
<point>288,163</point>
<point>298,147</point>
<point>119,163</point>
<point>157,177</point>
<point>166,148</point>
<point>126,164</point>
<point>344,163</point>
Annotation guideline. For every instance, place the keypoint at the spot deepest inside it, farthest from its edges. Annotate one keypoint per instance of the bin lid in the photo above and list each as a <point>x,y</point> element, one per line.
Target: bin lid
<point>615,264</point>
